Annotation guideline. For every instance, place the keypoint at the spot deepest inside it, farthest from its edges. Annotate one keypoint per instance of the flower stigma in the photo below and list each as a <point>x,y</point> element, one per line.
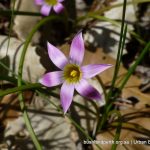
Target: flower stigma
<point>51,2</point>
<point>72,73</point>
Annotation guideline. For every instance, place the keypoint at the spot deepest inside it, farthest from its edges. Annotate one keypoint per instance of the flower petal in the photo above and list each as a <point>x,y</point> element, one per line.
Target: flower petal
<point>58,8</point>
<point>39,2</point>
<point>92,70</point>
<point>77,49</point>
<point>57,57</point>
<point>66,95</point>
<point>60,1</point>
<point>86,90</point>
<point>45,10</point>
<point>52,79</point>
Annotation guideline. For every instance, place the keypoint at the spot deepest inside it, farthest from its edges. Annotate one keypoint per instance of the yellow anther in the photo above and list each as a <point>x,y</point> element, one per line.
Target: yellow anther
<point>51,2</point>
<point>73,73</point>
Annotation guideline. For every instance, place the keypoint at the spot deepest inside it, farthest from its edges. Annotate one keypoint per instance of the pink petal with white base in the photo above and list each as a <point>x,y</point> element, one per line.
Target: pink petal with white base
<point>92,70</point>
<point>86,90</point>
<point>60,1</point>
<point>45,10</point>
<point>52,79</point>
<point>56,56</point>
<point>77,49</point>
<point>58,8</point>
<point>39,2</point>
<point>66,95</point>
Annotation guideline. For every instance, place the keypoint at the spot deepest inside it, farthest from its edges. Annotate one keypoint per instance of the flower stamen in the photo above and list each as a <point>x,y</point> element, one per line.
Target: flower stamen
<point>51,2</point>
<point>72,73</point>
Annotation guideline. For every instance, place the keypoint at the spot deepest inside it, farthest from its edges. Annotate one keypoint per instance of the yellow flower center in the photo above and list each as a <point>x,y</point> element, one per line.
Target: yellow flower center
<point>72,73</point>
<point>51,2</point>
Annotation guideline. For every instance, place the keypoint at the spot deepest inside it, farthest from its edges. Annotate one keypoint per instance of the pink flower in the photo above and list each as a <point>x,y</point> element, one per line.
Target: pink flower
<point>47,5</point>
<point>72,76</point>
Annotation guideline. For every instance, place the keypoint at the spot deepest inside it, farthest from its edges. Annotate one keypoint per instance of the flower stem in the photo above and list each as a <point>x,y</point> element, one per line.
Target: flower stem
<point>70,118</point>
<point>15,12</point>
<point>20,88</point>
<point>107,107</point>
<point>122,37</point>
<point>20,71</point>
<point>118,130</point>
<point>132,68</point>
